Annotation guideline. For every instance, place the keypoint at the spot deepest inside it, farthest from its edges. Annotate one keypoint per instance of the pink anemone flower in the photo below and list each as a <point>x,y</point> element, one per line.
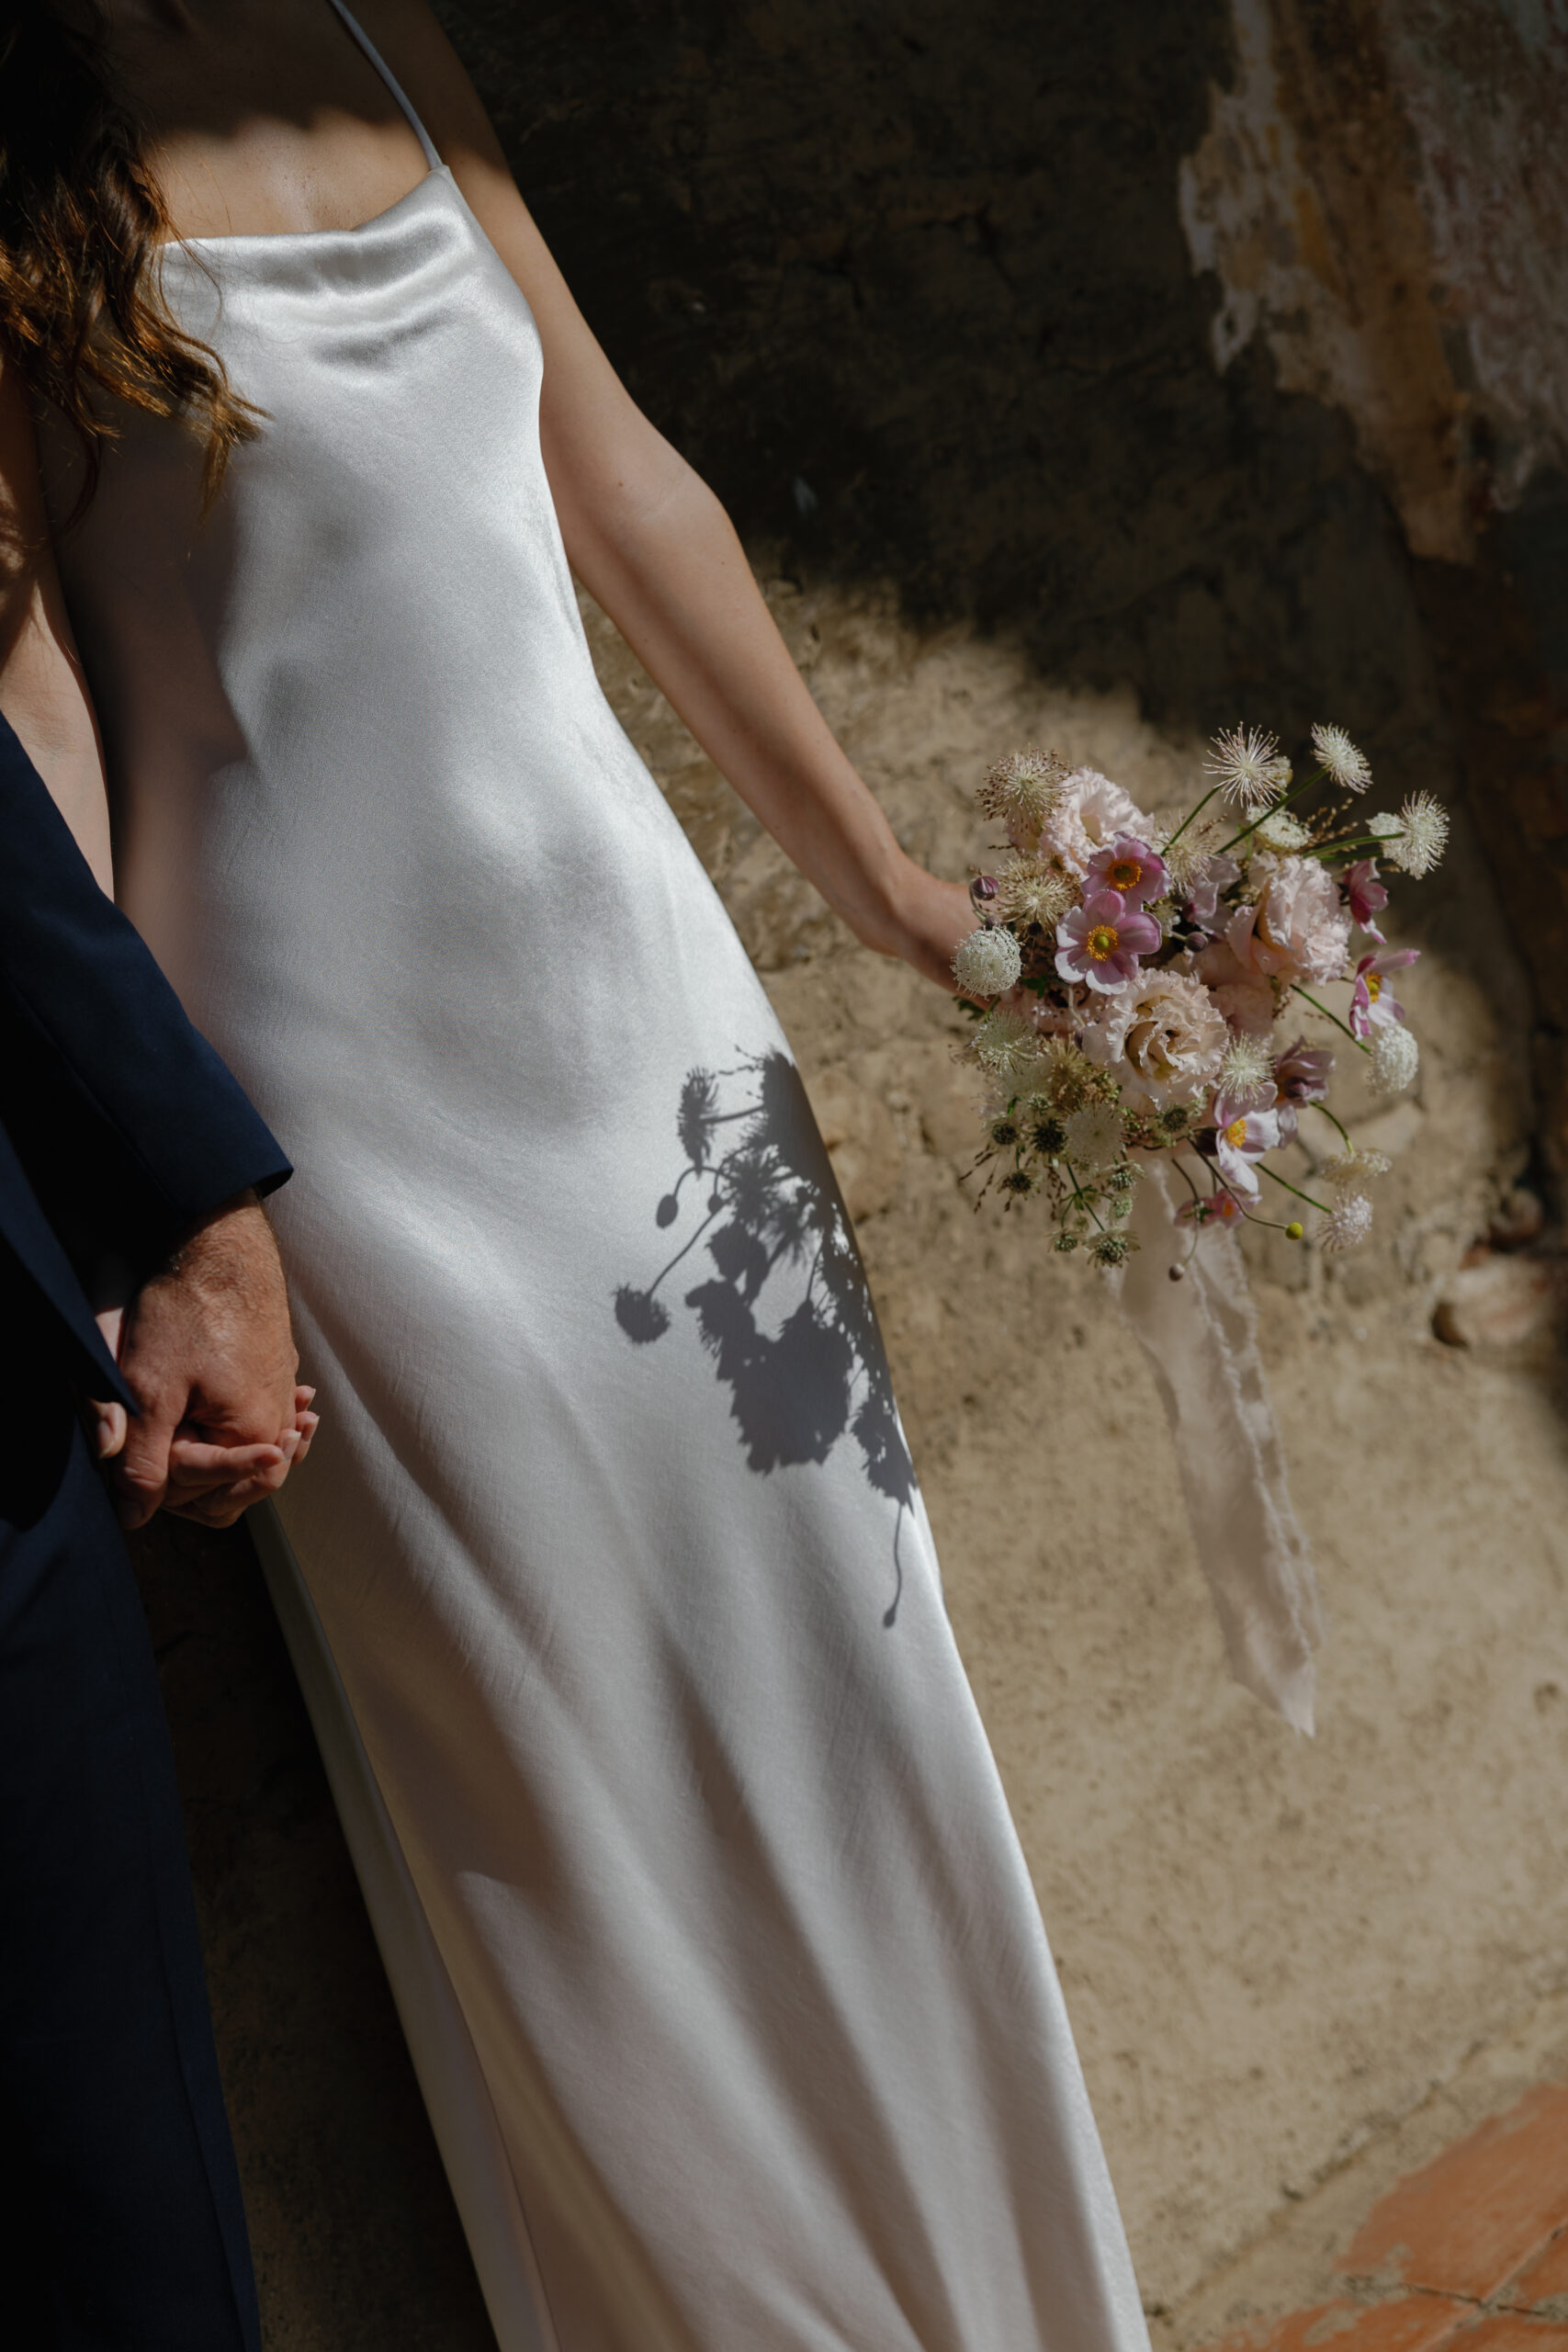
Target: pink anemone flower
<point>1130,867</point>
<point>1373,1006</point>
<point>1242,1135</point>
<point>1100,942</point>
<point>1220,1208</point>
<point>1366,896</point>
<point>1302,1075</point>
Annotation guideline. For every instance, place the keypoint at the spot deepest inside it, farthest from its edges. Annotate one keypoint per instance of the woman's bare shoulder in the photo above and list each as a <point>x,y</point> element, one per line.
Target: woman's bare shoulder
<point>424,60</point>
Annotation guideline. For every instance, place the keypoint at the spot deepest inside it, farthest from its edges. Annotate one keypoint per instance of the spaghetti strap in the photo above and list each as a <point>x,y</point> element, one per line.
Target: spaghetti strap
<point>379,63</point>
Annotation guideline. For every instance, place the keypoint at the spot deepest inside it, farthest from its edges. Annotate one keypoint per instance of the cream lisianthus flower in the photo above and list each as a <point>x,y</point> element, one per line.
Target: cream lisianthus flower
<point>1089,814</point>
<point>1163,1035</point>
<point>1298,930</point>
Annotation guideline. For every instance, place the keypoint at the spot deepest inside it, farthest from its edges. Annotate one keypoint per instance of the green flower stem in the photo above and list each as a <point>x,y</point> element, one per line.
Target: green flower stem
<point>1339,848</point>
<point>1193,813</point>
<point>1080,1195</point>
<point>1334,1122</point>
<point>1318,775</point>
<point>1295,1188</point>
<point>1310,999</point>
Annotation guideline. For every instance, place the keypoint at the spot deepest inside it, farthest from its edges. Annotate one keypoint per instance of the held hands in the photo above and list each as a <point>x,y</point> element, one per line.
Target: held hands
<point>207,1350</point>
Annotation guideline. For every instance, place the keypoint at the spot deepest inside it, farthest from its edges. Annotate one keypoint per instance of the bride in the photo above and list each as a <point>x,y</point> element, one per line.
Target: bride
<point>608,1580</point>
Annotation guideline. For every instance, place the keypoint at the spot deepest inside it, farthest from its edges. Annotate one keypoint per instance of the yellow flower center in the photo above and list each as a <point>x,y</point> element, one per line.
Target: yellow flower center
<point>1103,942</point>
<point>1374,985</point>
<point>1124,873</point>
<point>1236,1134</point>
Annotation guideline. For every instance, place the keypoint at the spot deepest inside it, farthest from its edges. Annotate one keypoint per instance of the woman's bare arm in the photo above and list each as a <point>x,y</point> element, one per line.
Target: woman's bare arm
<point>653,544</point>
<point>42,690</point>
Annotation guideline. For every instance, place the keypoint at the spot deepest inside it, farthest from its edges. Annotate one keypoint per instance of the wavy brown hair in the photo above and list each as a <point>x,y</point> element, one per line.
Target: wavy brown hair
<point>82,311</point>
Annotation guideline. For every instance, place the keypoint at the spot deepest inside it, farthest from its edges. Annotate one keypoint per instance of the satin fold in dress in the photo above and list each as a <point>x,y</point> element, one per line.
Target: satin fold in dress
<point>608,1579</point>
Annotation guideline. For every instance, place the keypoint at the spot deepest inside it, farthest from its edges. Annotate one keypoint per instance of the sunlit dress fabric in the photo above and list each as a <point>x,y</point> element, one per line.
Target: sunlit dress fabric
<point>608,1581</point>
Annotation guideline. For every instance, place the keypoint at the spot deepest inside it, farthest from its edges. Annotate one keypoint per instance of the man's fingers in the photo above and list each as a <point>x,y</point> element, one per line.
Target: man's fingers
<point>140,1475</point>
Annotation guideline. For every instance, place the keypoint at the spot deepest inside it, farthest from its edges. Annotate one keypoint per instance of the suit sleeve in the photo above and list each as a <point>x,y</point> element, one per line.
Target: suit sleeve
<point>128,1126</point>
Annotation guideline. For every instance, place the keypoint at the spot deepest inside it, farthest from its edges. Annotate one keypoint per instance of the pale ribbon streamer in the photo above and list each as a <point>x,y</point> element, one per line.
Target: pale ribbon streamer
<point>1201,1337</point>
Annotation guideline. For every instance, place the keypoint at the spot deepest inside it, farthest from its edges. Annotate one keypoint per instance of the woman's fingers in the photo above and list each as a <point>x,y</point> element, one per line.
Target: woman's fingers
<point>191,1462</point>
<point>111,1424</point>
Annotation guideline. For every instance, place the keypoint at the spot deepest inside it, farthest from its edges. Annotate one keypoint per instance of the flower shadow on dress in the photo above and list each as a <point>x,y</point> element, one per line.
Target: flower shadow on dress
<point>757,1168</point>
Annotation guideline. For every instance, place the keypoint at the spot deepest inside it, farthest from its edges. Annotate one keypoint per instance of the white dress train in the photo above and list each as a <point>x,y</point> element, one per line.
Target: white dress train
<point>608,1581</point>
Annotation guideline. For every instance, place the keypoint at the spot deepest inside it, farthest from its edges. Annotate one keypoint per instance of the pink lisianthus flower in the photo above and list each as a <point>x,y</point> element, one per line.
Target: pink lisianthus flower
<point>1130,867</point>
<point>1242,996</point>
<point>1373,1006</point>
<point>1242,1135</point>
<point>1301,1074</point>
<point>1298,930</point>
<point>1100,942</point>
<point>1366,896</point>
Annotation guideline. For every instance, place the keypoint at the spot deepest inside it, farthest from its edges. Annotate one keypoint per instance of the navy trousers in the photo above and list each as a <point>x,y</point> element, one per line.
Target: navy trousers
<point>121,2227</point>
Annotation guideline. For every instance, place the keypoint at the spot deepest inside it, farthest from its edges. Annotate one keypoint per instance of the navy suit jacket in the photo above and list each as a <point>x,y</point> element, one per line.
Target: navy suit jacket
<point>120,1128</point>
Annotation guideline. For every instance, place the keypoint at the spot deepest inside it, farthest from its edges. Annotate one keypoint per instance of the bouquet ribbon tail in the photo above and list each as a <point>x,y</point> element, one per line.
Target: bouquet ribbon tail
<point>1201,1337</point>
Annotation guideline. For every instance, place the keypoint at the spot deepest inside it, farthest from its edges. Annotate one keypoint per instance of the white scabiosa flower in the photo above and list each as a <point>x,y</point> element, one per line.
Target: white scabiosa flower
<point>1007,1047</point>
<point>988,963</point>
<point>1347,1225</point>
<point>1347,1169</point>
<point>1339,759</point>
<point>1022,790</point>
<point>1386,826</point>
<point>1028,890</point>
<point>1282,831</point>
<point>1095,1138</point>
<point>1395,1058</point>
<point>1250,767</point>
<point>1423,835</point>
<point>1246,1067</point>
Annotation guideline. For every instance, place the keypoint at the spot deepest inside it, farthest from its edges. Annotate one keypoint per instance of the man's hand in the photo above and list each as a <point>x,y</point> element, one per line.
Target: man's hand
<point>208,1352</point>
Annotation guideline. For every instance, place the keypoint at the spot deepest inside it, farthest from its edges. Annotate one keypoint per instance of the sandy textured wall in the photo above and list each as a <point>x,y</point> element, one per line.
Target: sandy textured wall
<point>1093,376</point>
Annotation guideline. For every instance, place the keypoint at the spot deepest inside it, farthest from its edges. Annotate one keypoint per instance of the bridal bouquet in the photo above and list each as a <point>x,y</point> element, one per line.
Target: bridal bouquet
<point>1138,987</point>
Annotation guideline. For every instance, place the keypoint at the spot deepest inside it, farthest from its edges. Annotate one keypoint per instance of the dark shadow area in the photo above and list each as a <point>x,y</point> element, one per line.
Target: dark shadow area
<point>357,2242</point>
<point>783,1307</point>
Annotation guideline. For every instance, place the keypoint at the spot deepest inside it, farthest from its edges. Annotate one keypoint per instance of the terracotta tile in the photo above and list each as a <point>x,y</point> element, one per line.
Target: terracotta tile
<point>1469,2220</point>
<point>1403,2324</point>
<point>1545,2277</point>
<point>1512,2331</point>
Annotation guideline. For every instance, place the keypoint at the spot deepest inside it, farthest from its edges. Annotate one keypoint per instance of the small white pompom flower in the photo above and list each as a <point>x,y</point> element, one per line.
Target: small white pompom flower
<point>1423,835</point>
<point>1095,1138</point>
<point>1246,1067</point>
<point>988,963</point>
<point>1250,767</point>
<point>1339,759</point>
<point>1347,1225</point>
<point>1395,1058</point>
<point>1348,1169</point>
<point>1386,827</point>
<point>1282,831</point>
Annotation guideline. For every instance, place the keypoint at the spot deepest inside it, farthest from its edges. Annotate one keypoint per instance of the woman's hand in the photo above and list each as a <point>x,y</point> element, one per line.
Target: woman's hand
<point>921,921</point>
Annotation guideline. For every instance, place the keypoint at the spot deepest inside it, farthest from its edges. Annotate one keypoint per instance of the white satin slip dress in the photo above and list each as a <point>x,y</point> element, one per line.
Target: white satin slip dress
<point>607,1580</point>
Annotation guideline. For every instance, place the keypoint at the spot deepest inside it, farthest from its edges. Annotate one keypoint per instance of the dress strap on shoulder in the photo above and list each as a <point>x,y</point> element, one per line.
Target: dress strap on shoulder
<point>379,63</point>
